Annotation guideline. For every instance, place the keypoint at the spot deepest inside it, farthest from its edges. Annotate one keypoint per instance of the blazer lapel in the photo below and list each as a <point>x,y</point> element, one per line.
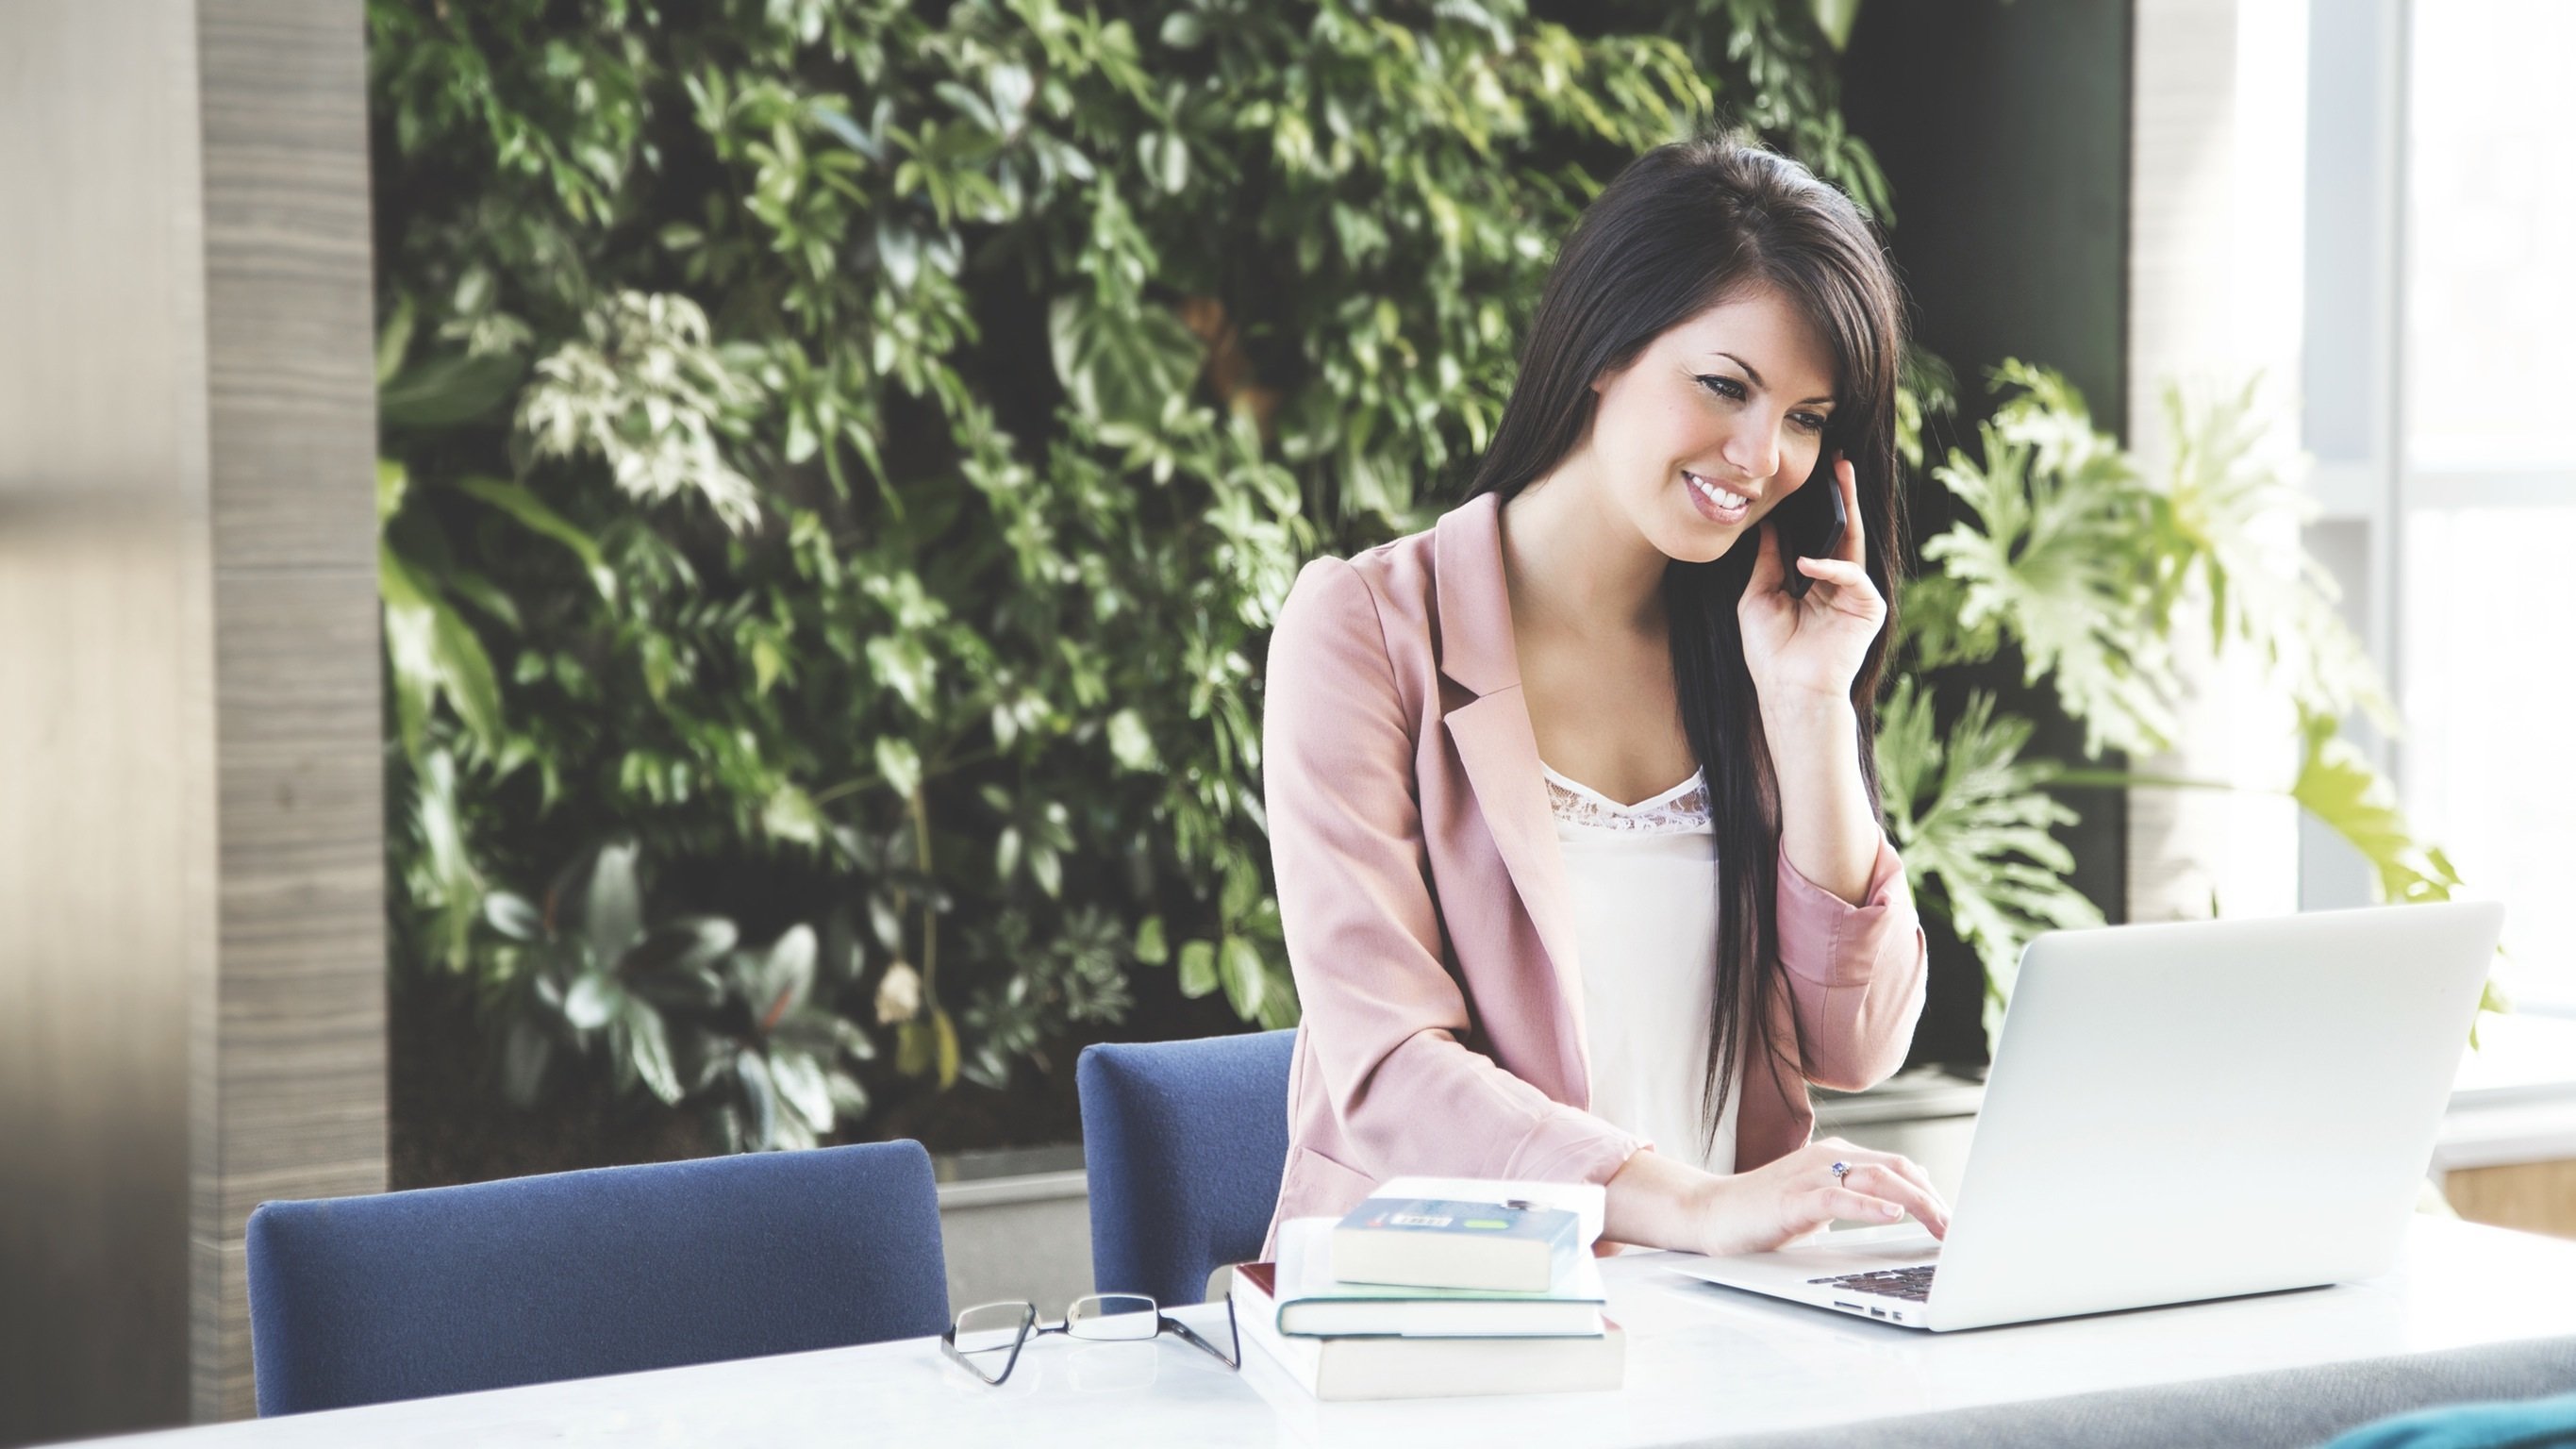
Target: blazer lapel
<point>1499,750</point>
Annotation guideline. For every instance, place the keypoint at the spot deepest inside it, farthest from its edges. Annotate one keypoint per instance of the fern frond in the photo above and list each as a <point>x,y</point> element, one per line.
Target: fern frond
<point>1972,817</point>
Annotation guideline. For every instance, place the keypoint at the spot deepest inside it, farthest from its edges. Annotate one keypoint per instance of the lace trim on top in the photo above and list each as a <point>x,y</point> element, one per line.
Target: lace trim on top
<point>1682,808</point>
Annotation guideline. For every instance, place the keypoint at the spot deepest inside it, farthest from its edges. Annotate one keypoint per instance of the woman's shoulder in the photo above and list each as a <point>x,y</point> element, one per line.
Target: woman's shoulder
<point>1392,581</point>
<point>1380,602</point>
<point>1399,579</point>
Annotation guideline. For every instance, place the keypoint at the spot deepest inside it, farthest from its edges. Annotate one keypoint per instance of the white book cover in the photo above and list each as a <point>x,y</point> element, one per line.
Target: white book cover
<point>1585,1200</point>
<point>1308,1370</point>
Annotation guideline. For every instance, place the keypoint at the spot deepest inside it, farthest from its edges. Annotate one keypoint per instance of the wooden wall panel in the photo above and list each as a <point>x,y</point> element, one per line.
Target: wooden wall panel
<point>298,1075</point>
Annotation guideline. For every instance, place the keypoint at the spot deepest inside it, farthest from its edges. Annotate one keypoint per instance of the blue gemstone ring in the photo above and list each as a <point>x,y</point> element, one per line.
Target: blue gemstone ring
<point>1840,1170</point>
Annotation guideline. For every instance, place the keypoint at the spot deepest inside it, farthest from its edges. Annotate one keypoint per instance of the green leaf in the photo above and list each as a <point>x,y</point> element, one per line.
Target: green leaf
<point>1130,743</point>
<point>651,1046</point>
<point>848,1096</point>
<point>444,392</point>
<point>393,482</point>
<point>524,1055</point>
<point>786,974</point>
<point>394,339</point>
<point>514,917</point>
<point>1198,968</point>
<point>536,517</point>
<point>802,1086</point>
<point>791,814</point>
<point>900,763</point>
<point>612,903</point>
<point>1972,819</point>
<point>944,1034</point>
<point>1242,889</point>
<point>433,653</point>
<point>1834,18</point>
<point>2338,785</point>
<point>1150,946</point>
<point>1245,977</point>
<point>593,1002</point>
<point>683,943</point>
<point>1121,367</point>
<point>2058,548</point>
<point>760,1100</point>
<point>916,1047</point>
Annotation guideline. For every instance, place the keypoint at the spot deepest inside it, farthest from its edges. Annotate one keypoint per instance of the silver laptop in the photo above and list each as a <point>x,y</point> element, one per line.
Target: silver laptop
<point>2180,1112</point>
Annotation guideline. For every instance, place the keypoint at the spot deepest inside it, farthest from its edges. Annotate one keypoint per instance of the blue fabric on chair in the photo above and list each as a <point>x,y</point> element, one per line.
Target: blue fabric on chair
<point>445,1290</point>
<point>2499,1424</point>
<point>1184,1142</point>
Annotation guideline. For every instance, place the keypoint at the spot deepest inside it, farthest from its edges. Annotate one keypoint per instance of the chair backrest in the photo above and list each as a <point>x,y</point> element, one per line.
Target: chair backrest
<point>1184,1143</point>
<point>445,1290</point>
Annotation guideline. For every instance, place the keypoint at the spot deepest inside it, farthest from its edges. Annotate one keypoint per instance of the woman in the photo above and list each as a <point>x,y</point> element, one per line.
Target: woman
<point>1505,970</point>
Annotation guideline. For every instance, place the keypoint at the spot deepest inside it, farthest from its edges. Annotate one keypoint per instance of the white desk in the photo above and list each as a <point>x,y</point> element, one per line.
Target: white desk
<point>1705,1364</point>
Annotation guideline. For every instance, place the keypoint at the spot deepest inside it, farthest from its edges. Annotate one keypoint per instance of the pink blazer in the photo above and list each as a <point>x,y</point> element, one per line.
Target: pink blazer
<point>1427,918</point>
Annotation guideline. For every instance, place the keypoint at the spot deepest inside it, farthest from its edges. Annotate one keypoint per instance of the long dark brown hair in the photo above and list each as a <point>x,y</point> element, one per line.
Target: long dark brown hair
<point>1683,228</point>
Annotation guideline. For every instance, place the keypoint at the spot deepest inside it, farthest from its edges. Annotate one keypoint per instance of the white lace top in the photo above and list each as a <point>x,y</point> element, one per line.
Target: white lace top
<point>1644,880</point>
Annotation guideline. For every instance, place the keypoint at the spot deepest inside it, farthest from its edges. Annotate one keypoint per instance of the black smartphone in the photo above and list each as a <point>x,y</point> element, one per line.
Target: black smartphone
<point>1812,521</point>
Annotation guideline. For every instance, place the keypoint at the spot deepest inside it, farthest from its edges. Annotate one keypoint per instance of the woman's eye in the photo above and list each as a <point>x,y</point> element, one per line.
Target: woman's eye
<point>1733,391</point>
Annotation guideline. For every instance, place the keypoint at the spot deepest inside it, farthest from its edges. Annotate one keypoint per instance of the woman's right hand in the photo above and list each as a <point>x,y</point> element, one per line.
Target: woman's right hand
<point>1752,1212</point>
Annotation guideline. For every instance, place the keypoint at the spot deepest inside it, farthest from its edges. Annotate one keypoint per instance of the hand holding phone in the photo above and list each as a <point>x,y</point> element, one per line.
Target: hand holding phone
<point>1812,522</point>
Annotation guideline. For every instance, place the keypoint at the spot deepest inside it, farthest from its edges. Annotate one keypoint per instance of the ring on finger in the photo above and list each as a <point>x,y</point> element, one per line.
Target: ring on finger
<point>1840,1170</point>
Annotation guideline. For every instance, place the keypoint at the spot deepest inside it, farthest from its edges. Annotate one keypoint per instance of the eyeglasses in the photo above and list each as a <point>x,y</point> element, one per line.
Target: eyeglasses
<point>996,1332</point>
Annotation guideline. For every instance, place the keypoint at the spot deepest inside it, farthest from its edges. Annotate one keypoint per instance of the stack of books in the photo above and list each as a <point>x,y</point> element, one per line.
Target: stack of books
<point>1438,1287</point>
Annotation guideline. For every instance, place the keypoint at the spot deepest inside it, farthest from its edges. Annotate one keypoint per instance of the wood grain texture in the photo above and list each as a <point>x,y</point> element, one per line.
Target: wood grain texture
<point>297,1074</point>
<point>2537,1197</point>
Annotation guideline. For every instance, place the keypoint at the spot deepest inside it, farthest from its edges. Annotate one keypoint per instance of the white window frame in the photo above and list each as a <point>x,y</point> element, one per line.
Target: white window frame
<point>2353,421</point>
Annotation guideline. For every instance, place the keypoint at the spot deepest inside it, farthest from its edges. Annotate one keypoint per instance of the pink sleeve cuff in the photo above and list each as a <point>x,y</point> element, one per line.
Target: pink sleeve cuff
<point>1567,1145</point>
<point>1829,940</point>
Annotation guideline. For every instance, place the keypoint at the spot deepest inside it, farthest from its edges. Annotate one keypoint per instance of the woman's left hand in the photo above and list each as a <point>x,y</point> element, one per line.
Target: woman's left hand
<point>1811,647</point>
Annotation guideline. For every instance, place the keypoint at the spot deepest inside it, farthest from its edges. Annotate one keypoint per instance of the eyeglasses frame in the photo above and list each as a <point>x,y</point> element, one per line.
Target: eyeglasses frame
<point>1031,1329</point>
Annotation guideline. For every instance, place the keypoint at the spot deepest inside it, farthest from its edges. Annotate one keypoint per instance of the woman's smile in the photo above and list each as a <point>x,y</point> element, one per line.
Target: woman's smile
<point>1716,504</point>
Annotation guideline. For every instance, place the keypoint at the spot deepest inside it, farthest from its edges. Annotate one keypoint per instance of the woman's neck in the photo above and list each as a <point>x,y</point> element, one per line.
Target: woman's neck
<point>1575,565</point>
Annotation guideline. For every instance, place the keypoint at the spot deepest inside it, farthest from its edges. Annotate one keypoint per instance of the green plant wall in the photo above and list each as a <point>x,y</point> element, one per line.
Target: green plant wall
<point>842,460</point>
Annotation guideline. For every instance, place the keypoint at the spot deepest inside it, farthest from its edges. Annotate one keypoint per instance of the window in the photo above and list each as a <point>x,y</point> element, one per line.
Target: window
<point>2441,406</point>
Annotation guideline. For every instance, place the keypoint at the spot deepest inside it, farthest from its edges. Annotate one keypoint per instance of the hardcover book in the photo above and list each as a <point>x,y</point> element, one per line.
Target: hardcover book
<point>1313,1303</point>
<point>1350,1368</point>
<point>1440,1242</point>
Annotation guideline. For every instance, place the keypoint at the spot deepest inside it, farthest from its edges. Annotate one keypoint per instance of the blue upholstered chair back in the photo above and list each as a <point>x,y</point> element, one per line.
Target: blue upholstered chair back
<point>1184,1142</point>
<point>445,1290</point>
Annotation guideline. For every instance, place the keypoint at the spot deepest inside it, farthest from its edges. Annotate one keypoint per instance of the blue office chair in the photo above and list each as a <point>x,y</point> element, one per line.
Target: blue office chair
<point>1184,1142</point>
<point>445,1290</point>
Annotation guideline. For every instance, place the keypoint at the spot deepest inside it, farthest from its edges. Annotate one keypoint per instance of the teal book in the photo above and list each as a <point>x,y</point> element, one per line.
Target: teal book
<point>1512,1247</point>
<point>1313,1303</point>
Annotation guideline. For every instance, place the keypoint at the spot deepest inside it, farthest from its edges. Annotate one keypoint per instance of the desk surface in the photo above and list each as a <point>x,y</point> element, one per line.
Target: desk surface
<point>1704,1364</point>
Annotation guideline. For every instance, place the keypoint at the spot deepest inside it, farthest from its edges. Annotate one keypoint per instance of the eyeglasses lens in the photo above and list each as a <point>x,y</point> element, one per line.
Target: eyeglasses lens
<point>991,1327</point>
<point>1113,1316</point>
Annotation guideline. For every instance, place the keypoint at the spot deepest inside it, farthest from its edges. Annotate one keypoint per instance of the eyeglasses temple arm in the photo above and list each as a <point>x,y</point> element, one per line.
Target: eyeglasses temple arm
<point>1234,1360</point>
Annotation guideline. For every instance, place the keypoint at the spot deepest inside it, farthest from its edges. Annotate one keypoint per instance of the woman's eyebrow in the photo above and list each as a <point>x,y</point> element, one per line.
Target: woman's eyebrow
<point>1757,377</point>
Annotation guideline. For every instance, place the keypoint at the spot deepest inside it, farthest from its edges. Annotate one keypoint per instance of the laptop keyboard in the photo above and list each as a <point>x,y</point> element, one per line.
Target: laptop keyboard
<point>1908,1283</point>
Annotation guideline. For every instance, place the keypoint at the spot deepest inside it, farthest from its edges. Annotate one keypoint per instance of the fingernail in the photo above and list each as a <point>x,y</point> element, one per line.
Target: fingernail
<point>1894,1211</point>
